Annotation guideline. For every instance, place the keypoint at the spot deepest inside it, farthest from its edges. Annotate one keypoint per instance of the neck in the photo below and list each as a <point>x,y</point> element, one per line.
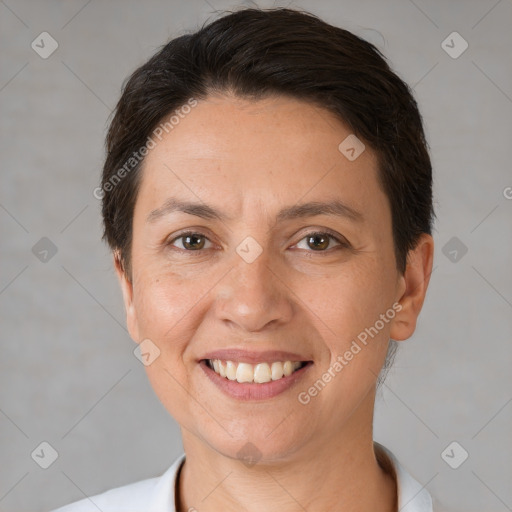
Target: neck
<point>336,471</point>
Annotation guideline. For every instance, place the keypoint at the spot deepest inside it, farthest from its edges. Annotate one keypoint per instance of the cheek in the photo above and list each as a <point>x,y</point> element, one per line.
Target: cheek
<point>356,337</point>
<point>165,312</point>
<point>164,305</point>
<point>349,300</point>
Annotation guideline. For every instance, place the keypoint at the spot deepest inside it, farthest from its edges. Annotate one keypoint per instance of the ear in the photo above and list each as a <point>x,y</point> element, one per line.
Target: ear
<point>127,290</point>
<point>413,288</point>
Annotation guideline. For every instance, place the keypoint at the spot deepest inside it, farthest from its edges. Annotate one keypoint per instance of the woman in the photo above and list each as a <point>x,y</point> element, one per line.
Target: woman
<point>267,196</point>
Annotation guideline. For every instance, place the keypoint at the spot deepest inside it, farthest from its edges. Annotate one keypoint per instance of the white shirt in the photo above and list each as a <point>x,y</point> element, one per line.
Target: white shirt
<point>158,494</point>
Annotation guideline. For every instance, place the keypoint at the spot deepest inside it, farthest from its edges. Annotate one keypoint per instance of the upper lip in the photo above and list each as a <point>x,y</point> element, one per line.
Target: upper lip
<point>249,356</point>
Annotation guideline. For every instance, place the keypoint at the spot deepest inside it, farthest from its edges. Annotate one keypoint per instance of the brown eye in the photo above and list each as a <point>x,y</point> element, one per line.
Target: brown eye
<point>318,241</point>
<point>190,241</point>
<point>193,242</point>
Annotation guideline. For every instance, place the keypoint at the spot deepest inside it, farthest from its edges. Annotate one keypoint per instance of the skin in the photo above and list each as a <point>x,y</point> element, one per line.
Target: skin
<point>250,159</point>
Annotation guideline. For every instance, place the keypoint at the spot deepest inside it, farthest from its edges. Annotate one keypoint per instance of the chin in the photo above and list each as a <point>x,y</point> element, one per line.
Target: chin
<point>254,444</point>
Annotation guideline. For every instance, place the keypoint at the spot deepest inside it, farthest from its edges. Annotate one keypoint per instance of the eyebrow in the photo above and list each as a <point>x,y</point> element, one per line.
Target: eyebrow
<point>335,208</point>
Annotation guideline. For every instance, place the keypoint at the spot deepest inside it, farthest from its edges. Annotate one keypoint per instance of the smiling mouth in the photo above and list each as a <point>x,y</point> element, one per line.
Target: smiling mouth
<point>259,373</point>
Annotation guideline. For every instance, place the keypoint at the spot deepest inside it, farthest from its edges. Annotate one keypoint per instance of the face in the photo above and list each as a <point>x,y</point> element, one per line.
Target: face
<point>248,271</point>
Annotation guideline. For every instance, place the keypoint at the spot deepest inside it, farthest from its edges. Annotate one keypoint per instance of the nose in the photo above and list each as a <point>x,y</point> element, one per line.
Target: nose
<point>253,297</point>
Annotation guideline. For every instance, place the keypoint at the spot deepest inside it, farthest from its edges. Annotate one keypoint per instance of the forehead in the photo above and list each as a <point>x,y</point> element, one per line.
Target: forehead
<point>273,152</point>
<point>227,127</point>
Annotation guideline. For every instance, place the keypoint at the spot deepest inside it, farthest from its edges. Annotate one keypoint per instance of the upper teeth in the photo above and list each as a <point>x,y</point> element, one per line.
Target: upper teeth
<point>259,373</point>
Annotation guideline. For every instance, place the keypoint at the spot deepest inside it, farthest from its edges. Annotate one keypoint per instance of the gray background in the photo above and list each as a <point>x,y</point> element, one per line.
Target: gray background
<point>68,373</point>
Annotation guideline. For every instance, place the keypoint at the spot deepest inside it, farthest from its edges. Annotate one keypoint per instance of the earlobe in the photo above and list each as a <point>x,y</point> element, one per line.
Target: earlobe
<point>415,280</point>
<point>127,291</point>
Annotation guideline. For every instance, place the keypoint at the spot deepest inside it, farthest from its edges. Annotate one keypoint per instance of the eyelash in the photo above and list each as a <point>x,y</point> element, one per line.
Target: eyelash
<point>330,234</point>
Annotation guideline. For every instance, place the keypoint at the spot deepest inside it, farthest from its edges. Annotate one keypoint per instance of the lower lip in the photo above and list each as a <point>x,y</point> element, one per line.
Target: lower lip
<point>251,390</point>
